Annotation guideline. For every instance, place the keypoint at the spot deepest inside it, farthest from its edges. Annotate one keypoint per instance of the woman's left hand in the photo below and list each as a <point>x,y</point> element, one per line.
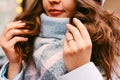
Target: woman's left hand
<point>77,47</point>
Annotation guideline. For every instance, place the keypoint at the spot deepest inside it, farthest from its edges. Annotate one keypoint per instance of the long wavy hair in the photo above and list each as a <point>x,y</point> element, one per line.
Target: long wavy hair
<point>103,27</point>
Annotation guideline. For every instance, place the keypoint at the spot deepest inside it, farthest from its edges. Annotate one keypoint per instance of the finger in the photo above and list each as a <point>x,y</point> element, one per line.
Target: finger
<point>17,24</point>
<point>71,43</point>
<point>75,32</point>
<point>70,39</point>
<point>10,44</point>
<point>14,32</point>
<point>69,36</point>
<point>66,48</point>
<point>16,39</point>
<point>69,50</point>
<point>82,29</point>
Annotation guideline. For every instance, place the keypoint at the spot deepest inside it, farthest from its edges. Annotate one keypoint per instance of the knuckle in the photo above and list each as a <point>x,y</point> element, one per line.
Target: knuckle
<point>89,45</point>
<point>71,53</point>
<point>68,53</point>
<point>5,46</point>
<point>16,39</point>
<point>74,50</point>
<point>81,48</point>
<point>74,29</point>
<point>9,25</point>
<point>85,46</point>
<point>11,32</point>
<point>83,28</point>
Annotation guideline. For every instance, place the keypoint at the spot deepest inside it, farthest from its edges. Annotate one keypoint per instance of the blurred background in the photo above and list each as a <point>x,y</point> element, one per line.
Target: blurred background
<point>10,8</point>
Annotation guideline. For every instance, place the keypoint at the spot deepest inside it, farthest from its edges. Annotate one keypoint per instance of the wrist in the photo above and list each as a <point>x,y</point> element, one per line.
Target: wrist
<point>13,70</point>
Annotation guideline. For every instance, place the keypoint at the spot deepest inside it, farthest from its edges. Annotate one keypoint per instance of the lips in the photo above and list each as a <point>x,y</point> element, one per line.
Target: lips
<point>55,12</point>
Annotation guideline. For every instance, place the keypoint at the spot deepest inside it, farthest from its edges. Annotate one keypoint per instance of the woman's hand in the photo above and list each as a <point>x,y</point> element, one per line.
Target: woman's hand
<point>8,39</point>
<point>77,46</point>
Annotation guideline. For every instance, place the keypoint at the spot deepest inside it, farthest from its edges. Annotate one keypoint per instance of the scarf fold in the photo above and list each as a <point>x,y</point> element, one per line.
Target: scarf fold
<point>52,27</point>
<point>48,54</point>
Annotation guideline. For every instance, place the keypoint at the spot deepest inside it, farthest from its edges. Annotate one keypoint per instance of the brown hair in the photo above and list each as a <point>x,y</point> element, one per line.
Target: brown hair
<point>103,27</point>
<point>32,18</point>
<point>104,30</point>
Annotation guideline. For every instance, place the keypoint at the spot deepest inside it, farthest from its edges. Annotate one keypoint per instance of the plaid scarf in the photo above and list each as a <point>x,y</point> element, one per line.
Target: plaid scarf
<point>48,59</point>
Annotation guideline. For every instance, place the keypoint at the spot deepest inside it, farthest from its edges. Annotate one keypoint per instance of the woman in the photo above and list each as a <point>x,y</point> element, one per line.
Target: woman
<point>54,52</point>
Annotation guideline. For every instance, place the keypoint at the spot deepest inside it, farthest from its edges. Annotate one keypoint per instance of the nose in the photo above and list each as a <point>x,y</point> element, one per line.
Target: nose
<point>54,1</point>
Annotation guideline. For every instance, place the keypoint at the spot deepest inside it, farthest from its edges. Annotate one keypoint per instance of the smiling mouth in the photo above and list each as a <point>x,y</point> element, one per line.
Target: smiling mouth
<point>54,12</point>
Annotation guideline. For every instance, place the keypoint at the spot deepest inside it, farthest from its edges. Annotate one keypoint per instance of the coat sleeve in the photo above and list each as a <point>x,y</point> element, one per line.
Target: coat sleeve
<point>86,72</point>
<point>4,70</point>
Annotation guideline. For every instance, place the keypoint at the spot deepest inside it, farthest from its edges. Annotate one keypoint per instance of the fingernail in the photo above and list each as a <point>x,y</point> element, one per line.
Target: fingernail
<point>19,21</point>
<point>23,23</point>
<point>26,30</point>
<point>75,19</point>
<point>67,24</point>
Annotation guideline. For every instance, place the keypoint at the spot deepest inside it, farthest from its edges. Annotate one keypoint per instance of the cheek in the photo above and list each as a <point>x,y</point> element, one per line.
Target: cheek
<point>69,6</point>
<point>70,10</point>
<point>45,5</point>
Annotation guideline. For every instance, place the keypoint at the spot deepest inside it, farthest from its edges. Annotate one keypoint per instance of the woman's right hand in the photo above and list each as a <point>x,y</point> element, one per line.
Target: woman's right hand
<point>8,39</point>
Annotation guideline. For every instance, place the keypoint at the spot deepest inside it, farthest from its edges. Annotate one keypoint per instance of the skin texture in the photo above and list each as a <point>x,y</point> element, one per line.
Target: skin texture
<point>79,48</point>
<point>76,52</point>
<point>8,41</point>
<point>59,8</point>
<point>100,24</point>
